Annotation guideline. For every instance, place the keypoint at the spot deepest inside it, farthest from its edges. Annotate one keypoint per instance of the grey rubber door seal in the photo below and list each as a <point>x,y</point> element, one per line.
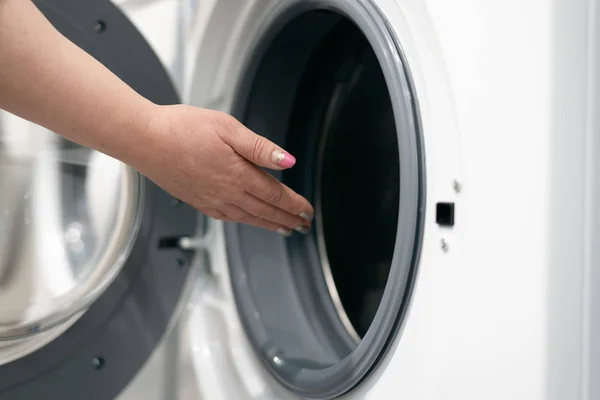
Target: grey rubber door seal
<point>290,324</point>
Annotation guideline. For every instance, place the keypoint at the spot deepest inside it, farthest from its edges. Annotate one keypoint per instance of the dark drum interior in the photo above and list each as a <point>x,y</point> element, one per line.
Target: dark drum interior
<point>343,123</point>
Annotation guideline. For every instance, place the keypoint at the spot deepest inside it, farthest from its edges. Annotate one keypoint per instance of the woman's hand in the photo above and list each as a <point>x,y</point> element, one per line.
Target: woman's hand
<point>202,157</point>
<point>209,160</point>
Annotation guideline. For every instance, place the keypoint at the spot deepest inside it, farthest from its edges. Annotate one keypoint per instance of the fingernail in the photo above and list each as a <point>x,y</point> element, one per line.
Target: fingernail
<point>305,216</point>
<point>302,229</point>
<point>283,159</point>
<point>284,232</point>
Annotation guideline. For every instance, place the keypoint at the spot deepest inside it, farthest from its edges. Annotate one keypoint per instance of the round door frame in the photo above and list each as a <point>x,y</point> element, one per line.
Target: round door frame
<point>99,355</point>
<point>330,381</point>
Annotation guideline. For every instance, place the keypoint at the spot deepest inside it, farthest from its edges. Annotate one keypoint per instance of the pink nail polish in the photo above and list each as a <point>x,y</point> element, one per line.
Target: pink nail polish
<point>283,159</point>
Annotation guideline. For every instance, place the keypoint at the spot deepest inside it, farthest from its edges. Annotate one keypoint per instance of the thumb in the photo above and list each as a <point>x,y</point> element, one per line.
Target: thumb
<point>259,150</point>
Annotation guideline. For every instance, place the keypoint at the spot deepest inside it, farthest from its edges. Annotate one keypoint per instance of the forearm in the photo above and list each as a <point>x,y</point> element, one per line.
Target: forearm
<point>48,80</point>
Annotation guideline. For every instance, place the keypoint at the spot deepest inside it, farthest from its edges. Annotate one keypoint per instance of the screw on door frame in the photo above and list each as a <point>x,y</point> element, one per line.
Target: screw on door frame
<point>100,26</point>
<point>456,186</point>
<point>444,245</point>
<point>98,363</point>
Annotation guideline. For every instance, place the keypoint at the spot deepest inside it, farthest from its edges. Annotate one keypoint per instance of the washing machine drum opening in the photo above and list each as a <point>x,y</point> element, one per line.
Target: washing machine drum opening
<point>322,309</point>
<point>357,187</point>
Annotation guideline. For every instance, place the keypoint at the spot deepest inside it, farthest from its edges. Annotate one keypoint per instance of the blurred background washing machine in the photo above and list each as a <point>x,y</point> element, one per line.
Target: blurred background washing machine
<point>449,149</point>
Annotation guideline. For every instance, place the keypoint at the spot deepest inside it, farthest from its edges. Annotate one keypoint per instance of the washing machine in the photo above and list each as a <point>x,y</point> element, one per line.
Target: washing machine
<point>449,149</point>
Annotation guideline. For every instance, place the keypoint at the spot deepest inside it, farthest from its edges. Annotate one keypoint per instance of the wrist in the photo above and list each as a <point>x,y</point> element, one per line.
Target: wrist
<point>142,136</point>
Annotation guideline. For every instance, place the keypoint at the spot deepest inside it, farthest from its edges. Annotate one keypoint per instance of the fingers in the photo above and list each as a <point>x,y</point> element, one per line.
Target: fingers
<point>257,149</point>
<point>214,213</point>
<point>264,201</point>
<point>233,213</point>
<point>266,211</point>
<point>268,189</point>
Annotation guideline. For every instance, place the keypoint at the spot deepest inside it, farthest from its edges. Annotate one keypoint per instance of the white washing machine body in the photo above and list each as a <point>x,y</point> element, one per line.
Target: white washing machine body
<point>493,291</point>
<point>505,302</point>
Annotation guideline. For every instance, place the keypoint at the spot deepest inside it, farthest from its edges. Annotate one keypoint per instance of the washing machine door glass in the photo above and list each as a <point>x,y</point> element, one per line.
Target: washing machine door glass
<point>68,218</point>
<point>91,274</point>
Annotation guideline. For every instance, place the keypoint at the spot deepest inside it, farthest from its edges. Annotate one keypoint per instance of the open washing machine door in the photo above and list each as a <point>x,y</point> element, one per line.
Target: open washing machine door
<point>90,267</point>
